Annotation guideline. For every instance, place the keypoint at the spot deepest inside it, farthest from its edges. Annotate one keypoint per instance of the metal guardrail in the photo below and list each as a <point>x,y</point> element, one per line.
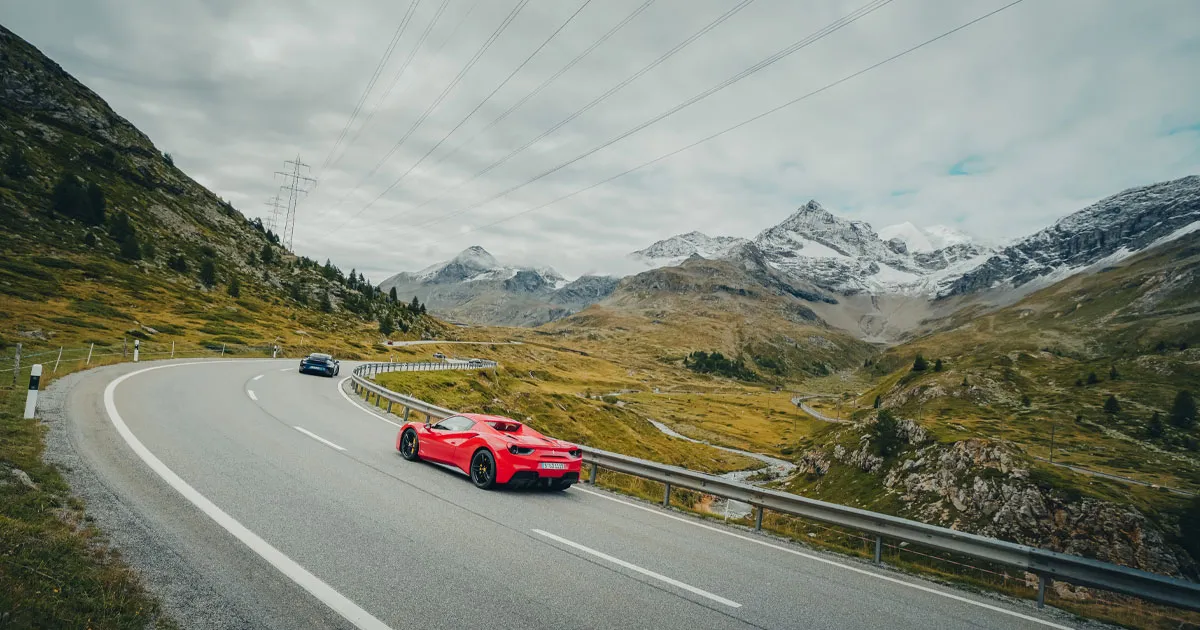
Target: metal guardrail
<point>361,384</point>
<point>1047,565</point>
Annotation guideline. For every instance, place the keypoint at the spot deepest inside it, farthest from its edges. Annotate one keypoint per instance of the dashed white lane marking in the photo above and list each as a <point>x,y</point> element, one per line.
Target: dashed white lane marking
<point>286,370</point>
<point>250,393</point>
<point>318,438</point>
<point>298,574</point>
<point>633,567</point>
<point>258,377</point>
<point>830,562</point>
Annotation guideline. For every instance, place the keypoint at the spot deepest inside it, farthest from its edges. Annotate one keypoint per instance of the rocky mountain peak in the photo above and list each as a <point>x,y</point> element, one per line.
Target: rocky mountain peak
<point>477,257</point>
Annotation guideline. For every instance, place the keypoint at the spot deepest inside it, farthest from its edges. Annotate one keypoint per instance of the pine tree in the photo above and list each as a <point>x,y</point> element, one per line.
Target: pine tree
<point>1155,428</point>
<point>1112,373</point>
<point>1111,406</point>
<point>1183,411</point>
<point>1026,401</point>
<point>392,295</point>
<point>208,272</point>
<point>235,288</point>
<point>878,400</point>
<point>326,305</point>
<point>887,433</point>
<point>267,255</point>
<point>415,305</point>
<point>965,383</point>
<point>385,325</point>
<point>178,262</point>
<point>937,365</point>
<point>1092,378</point>
<point>130,249</point>
<point>422,309</point>
<point>919,364</point>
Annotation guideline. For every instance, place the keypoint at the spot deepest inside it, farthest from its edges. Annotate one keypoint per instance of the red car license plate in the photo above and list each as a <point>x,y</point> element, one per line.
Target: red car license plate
<point>553,465</point>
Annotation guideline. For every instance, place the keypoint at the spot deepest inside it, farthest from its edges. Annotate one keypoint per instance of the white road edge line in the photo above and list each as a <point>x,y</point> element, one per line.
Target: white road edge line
<point>318,438</point>
<point>647,572</point>
<point>260,376</point>
<point>360,407</point>
<point>831,562</point>
<point>298,574</point>
<point>250,393</point>
<point>286,370</point>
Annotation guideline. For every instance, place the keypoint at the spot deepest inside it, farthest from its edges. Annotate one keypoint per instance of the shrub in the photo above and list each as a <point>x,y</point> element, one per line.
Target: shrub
<point>208,273</point>
<point>1092,379</point>
<point>235,288</point>
<point>1155,428</point>
<point>878,400</point>
<point>78,199</point>
<point>920,364</point>
<point>385,325</point>
<point>1183,411</point>
<point>1113,374</point>
<point>886,433</point>
<point>717,363</point>
<point>937,365</point>
<point>178,262</point>
<point>1111,406</point>
<point>1025,401</point>
<point>168,159</point>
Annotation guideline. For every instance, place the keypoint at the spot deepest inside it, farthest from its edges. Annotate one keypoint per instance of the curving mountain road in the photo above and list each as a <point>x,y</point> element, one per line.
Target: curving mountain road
<point>284,502</point>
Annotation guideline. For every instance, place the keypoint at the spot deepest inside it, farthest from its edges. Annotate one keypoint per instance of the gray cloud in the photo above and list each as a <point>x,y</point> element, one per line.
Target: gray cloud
<point>1055,106</point>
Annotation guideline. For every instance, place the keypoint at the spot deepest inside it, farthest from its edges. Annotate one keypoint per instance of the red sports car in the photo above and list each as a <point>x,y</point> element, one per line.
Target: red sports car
<point>493,450</point>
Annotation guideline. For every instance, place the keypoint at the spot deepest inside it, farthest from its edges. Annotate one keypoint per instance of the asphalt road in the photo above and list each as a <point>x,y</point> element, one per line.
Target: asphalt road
<point>288,500</point>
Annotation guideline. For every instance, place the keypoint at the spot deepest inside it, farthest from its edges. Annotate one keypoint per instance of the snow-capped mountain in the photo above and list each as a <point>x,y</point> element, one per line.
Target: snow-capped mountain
<point>836,254</point>
<point>1104,233</point>
<point>672,251</point>
<point>927,239</point>
<point>476,288</point>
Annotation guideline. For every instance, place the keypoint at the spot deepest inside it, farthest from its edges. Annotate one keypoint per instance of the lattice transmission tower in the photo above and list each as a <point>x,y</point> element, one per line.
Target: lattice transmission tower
<point>276,204</point>
<point>295,185</point>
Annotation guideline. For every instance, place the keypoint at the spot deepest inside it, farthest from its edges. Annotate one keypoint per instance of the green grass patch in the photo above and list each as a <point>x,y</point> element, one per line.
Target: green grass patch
<point>55,568</point>
<point>67,320</point>
<point>99,309</point>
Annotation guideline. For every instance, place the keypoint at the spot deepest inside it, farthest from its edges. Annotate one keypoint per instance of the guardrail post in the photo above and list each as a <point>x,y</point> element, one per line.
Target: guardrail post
<point>389,409</point>
<point>878,549</point>
<point>592,474</point>
<point>1041,600</point>
<point>35,376</point>
<point>407,410</point>
<point>666,495</point>
<point>758,518</point>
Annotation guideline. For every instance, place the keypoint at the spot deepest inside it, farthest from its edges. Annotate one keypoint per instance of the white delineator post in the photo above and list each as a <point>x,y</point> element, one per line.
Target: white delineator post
<point>55,368</point>
<point>274,351</point>
<point>35,378</point>
<point>137,345</point>
<point>172,349</point>
<point>89,357</point>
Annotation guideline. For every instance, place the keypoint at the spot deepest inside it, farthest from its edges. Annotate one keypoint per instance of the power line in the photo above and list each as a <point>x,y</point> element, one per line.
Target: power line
<point>395,79</point>
<point>387,54</point>
<point>294,184</point>
<point>751,119</point>
<point>803,43</point>
<point>437,101</point>
<point>544,84</point>
<point>470,114</point>
<point>612,90</point>
<point>276,205</point>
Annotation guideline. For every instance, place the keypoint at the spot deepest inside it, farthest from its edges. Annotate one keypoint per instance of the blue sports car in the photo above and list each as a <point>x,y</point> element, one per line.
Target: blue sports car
<point>317,363</point>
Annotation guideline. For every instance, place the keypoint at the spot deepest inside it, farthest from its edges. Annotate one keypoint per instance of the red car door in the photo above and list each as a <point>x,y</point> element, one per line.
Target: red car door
<point>444,437</point>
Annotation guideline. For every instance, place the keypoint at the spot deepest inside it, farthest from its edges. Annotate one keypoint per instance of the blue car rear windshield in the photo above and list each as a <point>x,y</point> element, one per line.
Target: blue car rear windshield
<point>317,360</point>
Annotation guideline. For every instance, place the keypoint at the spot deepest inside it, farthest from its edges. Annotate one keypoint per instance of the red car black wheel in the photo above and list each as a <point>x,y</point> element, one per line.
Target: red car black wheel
<point>483,469</point>
<point>409,446</point>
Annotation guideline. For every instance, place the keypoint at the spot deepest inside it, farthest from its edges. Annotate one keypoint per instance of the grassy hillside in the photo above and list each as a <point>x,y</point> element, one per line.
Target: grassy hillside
<point>1053,360</point>
<point>104,239</point>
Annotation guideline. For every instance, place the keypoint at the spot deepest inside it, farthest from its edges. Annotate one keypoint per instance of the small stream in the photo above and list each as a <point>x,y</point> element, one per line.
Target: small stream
<point>736,509</point>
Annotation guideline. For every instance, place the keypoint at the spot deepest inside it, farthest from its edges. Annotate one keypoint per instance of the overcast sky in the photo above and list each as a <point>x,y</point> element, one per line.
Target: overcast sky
<point>998,130</point>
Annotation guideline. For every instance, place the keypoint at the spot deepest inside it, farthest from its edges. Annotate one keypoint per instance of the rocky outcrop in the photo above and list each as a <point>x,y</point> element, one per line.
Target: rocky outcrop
<point>1123,223</point>
<point>987,488</point>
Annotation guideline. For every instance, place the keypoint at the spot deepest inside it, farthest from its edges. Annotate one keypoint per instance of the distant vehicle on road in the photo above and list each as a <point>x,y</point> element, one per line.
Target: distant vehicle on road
<point>323,364</point>
<point>493,450</point>
<point>439,355</point>
<point>474,363</point>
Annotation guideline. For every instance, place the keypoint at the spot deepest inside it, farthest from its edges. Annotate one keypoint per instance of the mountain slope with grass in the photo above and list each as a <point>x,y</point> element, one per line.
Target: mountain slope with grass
<point>105,242</point>
<point>1097,372</point>
<point>105,239</point>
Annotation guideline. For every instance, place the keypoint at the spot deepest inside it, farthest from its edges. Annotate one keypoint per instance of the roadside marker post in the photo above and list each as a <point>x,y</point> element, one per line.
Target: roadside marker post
<point>172,349</point>
<point>35,378</point>
<point>274,351</point>
<point>55,369</point>
<point>137,345</point>
<point>16,365</point>
<point>89,358</point>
